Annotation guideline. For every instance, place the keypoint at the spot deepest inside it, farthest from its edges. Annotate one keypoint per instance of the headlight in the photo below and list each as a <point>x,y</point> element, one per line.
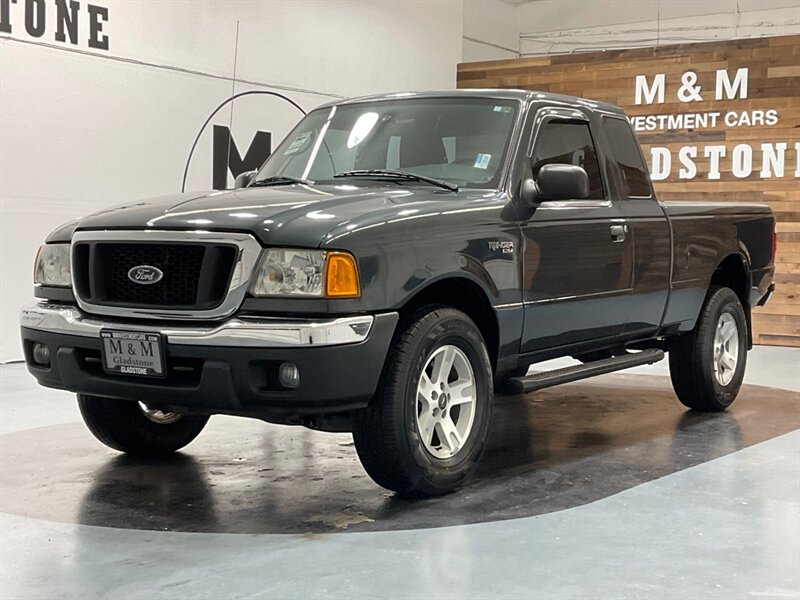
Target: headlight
<point>309,273</point>
<point>288,272</point>
<point>52,266</point>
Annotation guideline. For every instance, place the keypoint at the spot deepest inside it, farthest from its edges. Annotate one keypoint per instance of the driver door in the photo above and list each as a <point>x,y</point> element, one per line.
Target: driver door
<point>578,253</point>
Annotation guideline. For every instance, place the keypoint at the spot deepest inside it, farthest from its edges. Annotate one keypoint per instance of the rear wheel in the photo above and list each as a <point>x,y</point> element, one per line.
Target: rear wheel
<point>424,432</point>
<point>135,428</point>
<point>707,365</point>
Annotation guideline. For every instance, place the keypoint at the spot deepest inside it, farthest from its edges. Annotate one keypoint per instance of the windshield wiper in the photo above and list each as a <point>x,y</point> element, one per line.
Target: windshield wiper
<point>279,180</point>
<point>393,174</point>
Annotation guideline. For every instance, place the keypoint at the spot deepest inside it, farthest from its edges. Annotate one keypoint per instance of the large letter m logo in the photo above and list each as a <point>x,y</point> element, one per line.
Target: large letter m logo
<point>226,155</point>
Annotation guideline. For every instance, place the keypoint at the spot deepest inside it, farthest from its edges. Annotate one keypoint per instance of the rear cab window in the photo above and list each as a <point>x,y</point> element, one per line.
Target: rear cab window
<point>628,157</point>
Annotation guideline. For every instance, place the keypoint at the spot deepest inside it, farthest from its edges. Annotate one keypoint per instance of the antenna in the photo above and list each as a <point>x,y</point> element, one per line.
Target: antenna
<point>229,100</point>
<point>216,110</point>
<point>233,93</point>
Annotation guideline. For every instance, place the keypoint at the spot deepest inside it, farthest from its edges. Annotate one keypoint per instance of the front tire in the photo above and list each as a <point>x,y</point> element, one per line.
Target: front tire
<point>426,429</point>
<point>131,427</point>
<point>707,365</point>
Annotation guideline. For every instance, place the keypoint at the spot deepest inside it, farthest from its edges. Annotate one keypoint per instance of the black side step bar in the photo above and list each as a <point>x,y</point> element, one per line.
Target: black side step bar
<point>523,385</point>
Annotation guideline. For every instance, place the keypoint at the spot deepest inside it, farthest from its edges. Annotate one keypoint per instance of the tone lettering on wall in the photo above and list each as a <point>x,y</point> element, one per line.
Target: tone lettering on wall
<point>771,156</point>
<point>65,21</point>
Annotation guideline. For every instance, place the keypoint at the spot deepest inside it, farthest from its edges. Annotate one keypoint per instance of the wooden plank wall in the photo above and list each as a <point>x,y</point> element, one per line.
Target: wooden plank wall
<point>773,84</point>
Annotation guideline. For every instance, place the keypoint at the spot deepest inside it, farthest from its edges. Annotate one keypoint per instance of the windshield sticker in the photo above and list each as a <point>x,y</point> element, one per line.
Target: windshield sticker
<point>297,143</point>
<point>502,109</point>
<point>482,161</point>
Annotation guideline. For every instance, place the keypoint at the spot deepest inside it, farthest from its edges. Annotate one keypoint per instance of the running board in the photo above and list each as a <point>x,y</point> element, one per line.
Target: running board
<point>531,383</point>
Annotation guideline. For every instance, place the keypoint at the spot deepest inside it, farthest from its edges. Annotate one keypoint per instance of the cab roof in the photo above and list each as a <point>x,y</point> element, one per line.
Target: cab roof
<point>499,93</point>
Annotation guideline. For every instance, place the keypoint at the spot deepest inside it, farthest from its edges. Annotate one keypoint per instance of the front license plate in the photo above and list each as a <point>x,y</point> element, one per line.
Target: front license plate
<point>133,353</point>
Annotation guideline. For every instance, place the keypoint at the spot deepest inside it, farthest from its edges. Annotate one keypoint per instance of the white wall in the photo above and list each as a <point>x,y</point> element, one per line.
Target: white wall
<point>82,129</point>
<point>562,26</point>
<point>501,29</point>
<point>491,30</point>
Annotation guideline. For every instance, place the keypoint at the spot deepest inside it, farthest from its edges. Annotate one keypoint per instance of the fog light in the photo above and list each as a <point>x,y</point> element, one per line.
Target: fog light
<point>289,375</point>
<point>41,354</point>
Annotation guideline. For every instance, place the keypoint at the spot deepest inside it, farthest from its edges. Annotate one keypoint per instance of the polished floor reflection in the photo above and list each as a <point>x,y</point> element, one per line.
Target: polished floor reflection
<point>631,497</point>
<point>550,451</point>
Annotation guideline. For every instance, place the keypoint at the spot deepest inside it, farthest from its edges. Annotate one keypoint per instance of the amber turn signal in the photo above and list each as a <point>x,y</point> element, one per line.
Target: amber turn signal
<point>341,276</point>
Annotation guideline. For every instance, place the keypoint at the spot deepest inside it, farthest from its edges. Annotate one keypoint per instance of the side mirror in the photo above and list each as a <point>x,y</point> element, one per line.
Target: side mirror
<point>243,179</point>
<point>562,182</point>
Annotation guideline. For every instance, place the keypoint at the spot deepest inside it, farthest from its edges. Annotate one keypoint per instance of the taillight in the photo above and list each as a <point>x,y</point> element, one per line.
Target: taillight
<point>774,245</point>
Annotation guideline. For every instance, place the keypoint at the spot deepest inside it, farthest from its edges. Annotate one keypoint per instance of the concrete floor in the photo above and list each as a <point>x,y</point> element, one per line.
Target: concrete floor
<point>600,489</point>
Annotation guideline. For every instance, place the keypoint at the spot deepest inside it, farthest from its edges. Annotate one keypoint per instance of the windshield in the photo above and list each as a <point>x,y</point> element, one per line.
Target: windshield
<point>459,140</point>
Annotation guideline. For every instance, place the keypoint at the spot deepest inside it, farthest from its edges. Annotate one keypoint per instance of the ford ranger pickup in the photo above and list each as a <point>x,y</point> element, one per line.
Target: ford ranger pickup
<point>395,260</point>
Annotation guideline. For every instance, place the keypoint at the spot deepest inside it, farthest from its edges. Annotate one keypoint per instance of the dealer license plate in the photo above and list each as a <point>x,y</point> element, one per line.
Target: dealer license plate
<point>133,353</point>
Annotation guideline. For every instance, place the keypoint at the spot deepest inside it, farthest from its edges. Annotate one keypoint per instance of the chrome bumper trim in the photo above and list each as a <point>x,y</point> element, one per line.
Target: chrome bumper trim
<point>264,333</point>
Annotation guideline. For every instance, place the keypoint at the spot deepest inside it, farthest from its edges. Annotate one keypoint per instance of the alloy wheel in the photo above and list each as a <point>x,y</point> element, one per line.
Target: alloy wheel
<point>159,416</point>
<point>726,348</point>
<point>446,402</point>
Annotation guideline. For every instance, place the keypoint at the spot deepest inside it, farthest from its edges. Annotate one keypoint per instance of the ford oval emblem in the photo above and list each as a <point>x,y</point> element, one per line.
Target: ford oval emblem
<point>145,275</point>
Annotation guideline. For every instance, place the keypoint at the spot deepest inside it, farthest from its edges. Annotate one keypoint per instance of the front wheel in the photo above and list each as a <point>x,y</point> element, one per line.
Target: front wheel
<point>707,365</point>
<point>134,428</point>
<point>424,432</point>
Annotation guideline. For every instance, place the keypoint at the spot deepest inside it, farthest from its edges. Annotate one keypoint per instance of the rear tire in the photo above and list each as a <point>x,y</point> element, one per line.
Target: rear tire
<point>426,429</point>
<point>127,426</point>
<point>707,365</point>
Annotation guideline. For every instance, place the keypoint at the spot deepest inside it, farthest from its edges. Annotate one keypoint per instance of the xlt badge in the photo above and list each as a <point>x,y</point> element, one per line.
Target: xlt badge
<point>145,275</point>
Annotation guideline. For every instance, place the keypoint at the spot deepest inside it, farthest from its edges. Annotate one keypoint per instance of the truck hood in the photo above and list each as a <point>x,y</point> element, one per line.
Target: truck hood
<point>296,215</point>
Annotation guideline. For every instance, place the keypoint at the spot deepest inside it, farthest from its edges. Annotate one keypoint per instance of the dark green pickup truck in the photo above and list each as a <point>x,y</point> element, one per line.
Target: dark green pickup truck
<point>395,260</point>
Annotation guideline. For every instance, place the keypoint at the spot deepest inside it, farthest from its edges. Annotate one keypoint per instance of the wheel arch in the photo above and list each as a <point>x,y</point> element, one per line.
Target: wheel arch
<point>733,272</point>
<point>464,294</point>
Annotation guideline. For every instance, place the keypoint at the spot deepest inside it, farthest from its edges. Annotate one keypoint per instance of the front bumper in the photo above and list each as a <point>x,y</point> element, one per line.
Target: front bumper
<point>226,368</point>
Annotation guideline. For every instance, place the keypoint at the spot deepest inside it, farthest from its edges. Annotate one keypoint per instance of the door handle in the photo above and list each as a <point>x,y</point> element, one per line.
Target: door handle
<point>619,233</point>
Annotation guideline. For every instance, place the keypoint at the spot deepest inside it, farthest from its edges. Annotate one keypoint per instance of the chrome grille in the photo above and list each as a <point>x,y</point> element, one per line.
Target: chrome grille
<point>181,264</point>
<point>205,274</point>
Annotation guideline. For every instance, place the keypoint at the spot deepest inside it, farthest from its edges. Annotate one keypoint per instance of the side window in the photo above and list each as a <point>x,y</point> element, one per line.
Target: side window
<point>568,142</point>
<point>628,157</point>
